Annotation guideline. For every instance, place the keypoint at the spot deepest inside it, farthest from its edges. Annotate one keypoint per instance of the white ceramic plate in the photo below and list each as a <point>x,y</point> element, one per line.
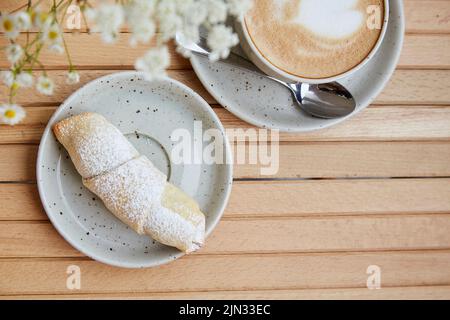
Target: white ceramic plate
<point>147,113</point>
<point>266,104</point>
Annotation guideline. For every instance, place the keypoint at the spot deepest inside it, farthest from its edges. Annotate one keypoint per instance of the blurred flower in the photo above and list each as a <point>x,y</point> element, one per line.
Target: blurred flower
<point>73,77</point>
<point>220,40</point>
<point>217,11</point>
<point>169,25</point>
<point>39,18</point>
<point>139,18</point>
<point>9,25</point>
<point>154,63</point>
<point>11,114</point>
<point>24,79</point>
<point>107,20</point>
<point>8,78</point>
<point>45,85</point>
<point>13,53</point>
<point>239,8</point>
<point>52,36</point>
<point>23,20</point>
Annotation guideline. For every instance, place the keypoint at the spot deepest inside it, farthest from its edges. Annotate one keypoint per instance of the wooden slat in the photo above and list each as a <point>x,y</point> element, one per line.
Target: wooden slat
<point>422,16</point>
<point>426,51</point>
<point>18,162</point>
<point>312,198</point>
<point>200,273</point>
<point>302,160</point>
<point>420,51</point>
<point>427,16</point>
<point>389,123</point>
<point>31,97</point>
<point>399,293</point>
<point>89,52</point>
<point>294,199</point>
<point>356,160</point>
<point>270,235</point>
<point>407,87</point>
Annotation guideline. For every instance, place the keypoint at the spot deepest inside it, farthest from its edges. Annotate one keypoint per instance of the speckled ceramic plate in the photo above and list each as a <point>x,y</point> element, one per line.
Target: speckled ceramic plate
<point>147,113</point>
<point>266,104</point>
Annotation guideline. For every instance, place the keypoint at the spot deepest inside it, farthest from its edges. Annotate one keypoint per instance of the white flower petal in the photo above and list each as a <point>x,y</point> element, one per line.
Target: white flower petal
<point>154,63</point>
<point>9,25</point>
<point>45,85</point>
<point>24,79</point>
<point>23,20</point>
<point>73,77</point>
<point>13,53</point>
<point>220,40</point>
<point>11,114</point>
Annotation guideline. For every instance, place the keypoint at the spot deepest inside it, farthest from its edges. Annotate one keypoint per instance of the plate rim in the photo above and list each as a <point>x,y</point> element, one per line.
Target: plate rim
<point>390,69</point>
<point>110,261</point>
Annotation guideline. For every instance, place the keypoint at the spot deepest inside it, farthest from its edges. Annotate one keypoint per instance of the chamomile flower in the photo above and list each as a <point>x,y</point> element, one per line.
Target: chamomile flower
<point>239,8</point>
<point>9,25</point>
<point>8,78</point>
<point>169,25</point>
<point>23,20</point>
<point>73,77</point>
<point>24,79</point>
<point>201,13</point>
<point>139,17</point>
<point>220,40</point>
<point>11,114</point>
<point>107,20</point>
<point>217,11</point>
<point>154,63</point>
<point>52,36</point>
<point>166,9</point>
<point>45,85</point>
<point>40,19</point>
<point>13,53</point>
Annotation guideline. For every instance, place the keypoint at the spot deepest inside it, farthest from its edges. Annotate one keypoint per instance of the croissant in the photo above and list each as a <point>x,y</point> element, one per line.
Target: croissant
<point>129,185</point>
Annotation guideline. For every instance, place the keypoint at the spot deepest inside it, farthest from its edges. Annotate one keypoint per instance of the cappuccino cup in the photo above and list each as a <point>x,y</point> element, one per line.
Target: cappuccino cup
<point>313,41</point>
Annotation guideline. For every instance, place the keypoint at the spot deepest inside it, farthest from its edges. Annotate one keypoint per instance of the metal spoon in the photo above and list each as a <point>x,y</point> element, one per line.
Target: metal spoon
<point>327,101</point>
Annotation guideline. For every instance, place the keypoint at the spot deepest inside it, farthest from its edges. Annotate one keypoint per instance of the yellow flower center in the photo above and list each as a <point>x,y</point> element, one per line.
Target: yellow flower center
<point>10,114</point>
<point>43,16</point>
<point>8,25</point>
<point>45,85</point>
<point>52,35</point>
<point>15,86</point>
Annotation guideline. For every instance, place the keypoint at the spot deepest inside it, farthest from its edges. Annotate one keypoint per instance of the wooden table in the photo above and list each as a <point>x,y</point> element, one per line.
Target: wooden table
<point>372,191</point>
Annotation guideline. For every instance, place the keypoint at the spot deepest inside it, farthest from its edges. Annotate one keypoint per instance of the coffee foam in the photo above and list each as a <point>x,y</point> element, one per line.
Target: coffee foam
<point>313,38</point>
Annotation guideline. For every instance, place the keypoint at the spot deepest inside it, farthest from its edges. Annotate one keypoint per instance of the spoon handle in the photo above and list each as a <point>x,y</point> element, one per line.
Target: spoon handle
<point>234,59</point>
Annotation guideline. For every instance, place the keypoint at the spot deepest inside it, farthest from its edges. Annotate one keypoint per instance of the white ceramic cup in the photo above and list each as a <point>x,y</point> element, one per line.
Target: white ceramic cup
<point>268,68</point>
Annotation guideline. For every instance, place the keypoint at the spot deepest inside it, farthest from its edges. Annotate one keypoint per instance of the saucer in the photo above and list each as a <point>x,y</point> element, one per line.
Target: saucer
<point>147,113</point>
<point>264,103</point>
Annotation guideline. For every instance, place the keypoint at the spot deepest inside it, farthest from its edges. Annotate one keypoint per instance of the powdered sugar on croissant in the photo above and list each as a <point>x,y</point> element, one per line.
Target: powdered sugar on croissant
<point>135,192</point>
<point>94,145</point>
<point>130,186</point>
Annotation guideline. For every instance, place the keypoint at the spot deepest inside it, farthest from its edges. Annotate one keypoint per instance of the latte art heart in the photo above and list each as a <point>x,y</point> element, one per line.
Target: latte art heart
<point>313,39</point>
<point>330,18</point>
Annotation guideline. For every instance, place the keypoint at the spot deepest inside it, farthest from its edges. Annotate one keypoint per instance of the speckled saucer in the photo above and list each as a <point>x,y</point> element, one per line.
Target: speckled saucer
<point>266,104</point>
<point>147,113</point>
